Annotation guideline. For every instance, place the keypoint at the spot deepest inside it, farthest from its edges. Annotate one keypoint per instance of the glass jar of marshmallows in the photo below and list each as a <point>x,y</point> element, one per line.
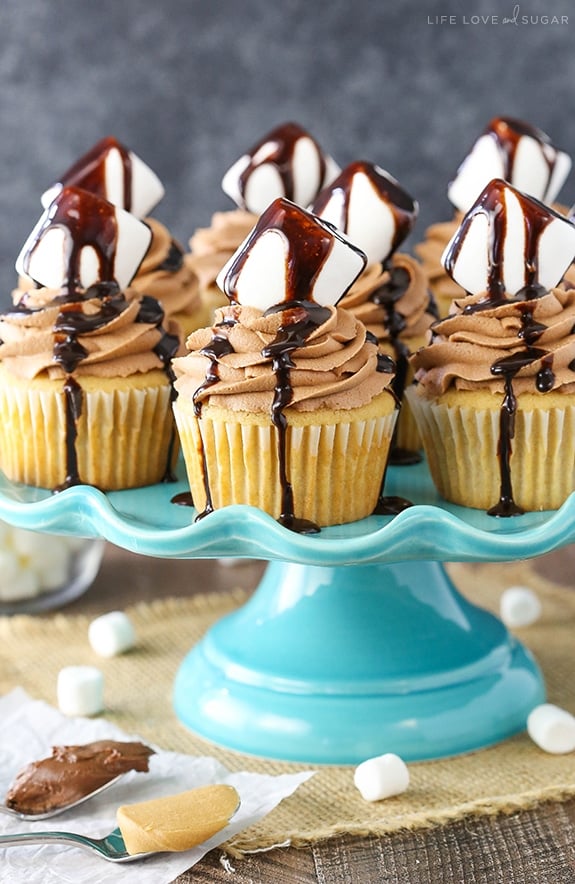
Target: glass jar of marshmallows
<point>39,572</point>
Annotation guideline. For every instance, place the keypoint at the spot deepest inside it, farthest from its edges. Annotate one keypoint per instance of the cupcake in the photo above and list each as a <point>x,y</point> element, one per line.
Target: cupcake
<point>494,396</point>
<point>116,174</point>
<point>85,392</point>
<point>509,149</point>
<point>285,403</point>
<point>391,296</point>
<point>287,162</point>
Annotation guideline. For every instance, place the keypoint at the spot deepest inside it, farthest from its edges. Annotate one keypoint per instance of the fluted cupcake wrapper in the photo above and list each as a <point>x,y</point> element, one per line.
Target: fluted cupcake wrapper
<point>124,435</point>
<point>461,446</point>
<point>335,469</point>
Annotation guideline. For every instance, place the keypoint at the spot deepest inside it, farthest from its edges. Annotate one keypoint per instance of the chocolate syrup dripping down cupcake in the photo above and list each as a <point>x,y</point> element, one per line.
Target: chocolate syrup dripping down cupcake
<point>371,207</point>
<point>522,243</point>
<point>287,162</point>
<point>295,264</point>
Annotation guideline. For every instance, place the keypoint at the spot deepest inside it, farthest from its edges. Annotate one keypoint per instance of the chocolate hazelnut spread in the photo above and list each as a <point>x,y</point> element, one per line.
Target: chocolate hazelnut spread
<point>72,772</point>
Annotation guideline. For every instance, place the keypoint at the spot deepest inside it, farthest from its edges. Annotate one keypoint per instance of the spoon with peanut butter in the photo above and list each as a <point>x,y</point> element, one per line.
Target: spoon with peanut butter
<point>163,825</point>
<point>70,776</point>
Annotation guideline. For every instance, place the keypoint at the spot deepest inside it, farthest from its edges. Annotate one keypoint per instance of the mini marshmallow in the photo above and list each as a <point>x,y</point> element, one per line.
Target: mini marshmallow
<point>519,606</point>
<point>80,690</point>
<point>111,634</point>
<point>83,239</point>
<point>114,173</point>
<point>287,162</point>
<point>492,237</point>
<point>552,729</point>
<point>517,152</point>
<point>291,255</point>
<point>370,207</point>
<point>381,777</point>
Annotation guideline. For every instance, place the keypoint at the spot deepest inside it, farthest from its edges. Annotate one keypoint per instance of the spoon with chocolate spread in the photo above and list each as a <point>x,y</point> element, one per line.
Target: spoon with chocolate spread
<point>70,776</point>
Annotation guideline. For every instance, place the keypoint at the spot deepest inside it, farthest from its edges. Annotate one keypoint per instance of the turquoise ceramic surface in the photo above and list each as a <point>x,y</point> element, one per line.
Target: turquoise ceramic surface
<point>356,642</point>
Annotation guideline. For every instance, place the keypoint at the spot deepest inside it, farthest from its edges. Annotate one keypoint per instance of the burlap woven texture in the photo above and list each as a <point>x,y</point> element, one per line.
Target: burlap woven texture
<point>504,778</point>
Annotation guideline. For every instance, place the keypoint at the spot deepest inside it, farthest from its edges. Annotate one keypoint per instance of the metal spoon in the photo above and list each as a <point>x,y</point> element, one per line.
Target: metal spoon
<point>46,814</point>
<point>110,848</point>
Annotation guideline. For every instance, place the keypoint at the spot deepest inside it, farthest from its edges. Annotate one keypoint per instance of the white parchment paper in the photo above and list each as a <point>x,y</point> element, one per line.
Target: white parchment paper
<point>28,730</point>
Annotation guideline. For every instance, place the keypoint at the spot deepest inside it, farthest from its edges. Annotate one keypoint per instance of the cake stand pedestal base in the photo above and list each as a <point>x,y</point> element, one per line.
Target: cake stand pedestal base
<point>336,665</point>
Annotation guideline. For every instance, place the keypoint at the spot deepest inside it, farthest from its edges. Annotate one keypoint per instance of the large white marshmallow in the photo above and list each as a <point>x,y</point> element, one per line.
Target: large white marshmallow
<point>46,253</point>
<point>111,634</point>
<point>519,606</point>
<point>258,274</point>
<point>370,207</point>
<point>114,173</point>
<point>259,176</point>
<point>536,166</point>
<point>552,728</point>
<point>80,690</point>
<point>467,256</point>
<point>381,777</point>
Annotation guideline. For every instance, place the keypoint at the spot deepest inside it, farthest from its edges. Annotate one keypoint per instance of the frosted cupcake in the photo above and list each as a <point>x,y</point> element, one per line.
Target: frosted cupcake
<point>508,149</point>
<point>390,296</point>
<point>85,392</point>
<point>494,399</point>
<point>285,403</point>
<point>113,172</point>
<point>286,162</point>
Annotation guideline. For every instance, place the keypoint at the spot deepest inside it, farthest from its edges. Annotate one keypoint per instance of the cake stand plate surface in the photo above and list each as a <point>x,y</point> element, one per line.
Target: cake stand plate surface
<point>356,642</point>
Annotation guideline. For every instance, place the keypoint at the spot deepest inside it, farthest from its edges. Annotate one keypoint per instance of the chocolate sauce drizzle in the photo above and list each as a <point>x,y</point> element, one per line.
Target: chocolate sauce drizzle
<point>89,171</point>
<point>299,320</point>
<point>174,260</point>
<point>386,296</point>
<point>278,147</point>
<point>536,218</point>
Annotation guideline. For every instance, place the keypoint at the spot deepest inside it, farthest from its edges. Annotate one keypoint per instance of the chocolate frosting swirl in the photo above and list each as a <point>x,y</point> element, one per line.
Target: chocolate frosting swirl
<point>429,252</point>
<point>164,273</point>
<point>413,301</point>
<point>212,246</point>
<point>536,335</point>
<point>113,336</point>
<point>336,368</point>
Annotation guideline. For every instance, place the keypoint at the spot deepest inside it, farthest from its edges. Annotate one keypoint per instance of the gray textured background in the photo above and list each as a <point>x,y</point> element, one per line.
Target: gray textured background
<point>191,84</point>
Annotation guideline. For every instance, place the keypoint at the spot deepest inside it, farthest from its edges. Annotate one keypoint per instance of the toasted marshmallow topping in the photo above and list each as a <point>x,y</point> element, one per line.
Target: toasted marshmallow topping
<point>287,162</point>
<point>291,255</point>
<point>115,174</point>
<point>368,204</point>
<point>81,240</point>
<point>509,243</point>
<point>517,152</point>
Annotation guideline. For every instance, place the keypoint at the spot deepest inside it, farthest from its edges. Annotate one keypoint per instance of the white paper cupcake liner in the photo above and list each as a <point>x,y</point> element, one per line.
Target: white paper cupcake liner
<point>335,470</point>
<point>461,446</point>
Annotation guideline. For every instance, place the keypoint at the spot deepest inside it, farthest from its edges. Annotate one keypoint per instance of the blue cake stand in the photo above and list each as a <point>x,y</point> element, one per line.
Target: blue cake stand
<point>356,642</point>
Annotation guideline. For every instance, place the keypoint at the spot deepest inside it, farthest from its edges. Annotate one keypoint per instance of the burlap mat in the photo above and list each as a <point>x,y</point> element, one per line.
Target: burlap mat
<point>504,778</point>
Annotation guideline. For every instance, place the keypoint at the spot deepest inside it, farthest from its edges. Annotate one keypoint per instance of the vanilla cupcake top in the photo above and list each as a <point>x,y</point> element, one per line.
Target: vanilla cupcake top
<point>282,337</point>
<point>516,327</point>
<point>84,319</point>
